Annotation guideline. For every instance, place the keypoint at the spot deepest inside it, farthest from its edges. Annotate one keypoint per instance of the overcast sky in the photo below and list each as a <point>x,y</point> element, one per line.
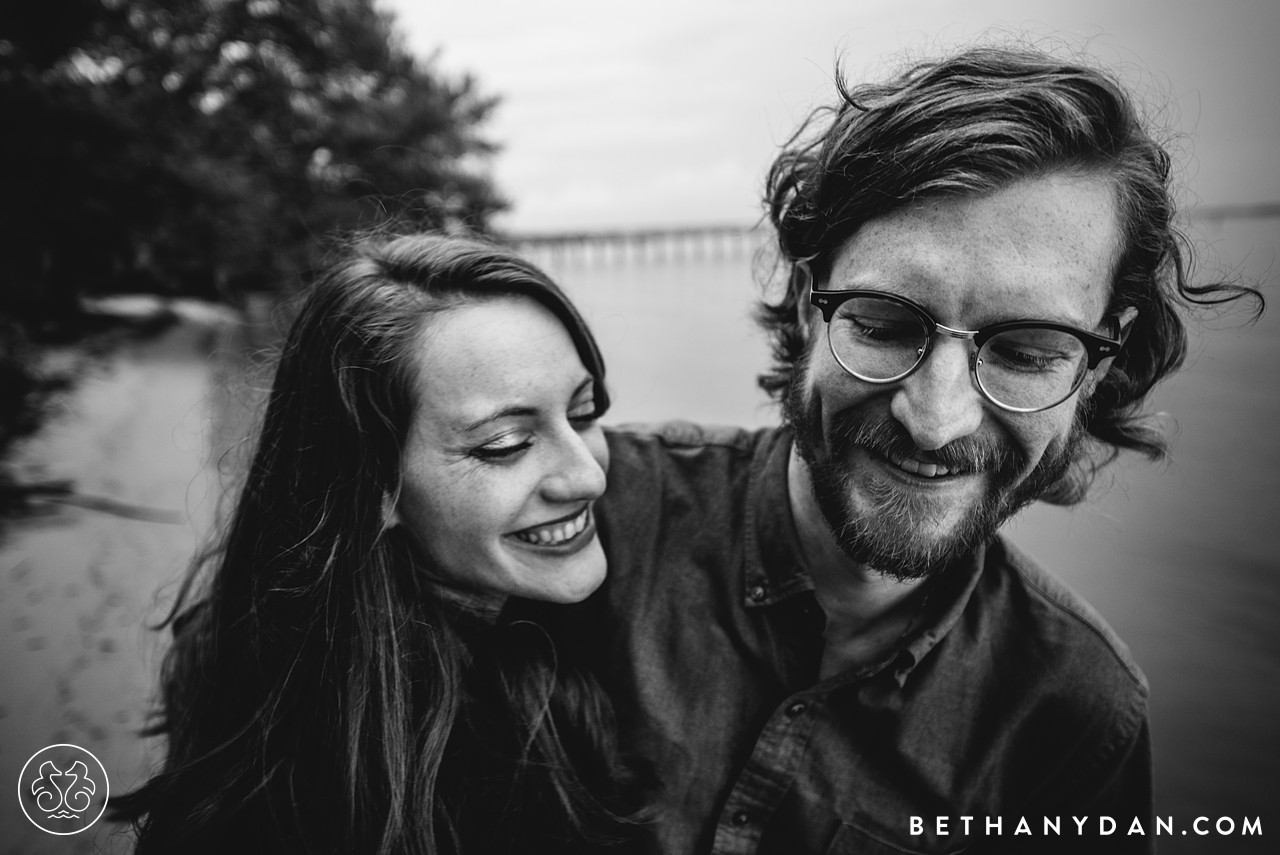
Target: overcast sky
<point>667,112</point>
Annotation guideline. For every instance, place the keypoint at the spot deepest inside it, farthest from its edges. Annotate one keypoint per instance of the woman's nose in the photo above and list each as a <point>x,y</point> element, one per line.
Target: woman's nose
<point>577,471</point>
<point>939,402</point>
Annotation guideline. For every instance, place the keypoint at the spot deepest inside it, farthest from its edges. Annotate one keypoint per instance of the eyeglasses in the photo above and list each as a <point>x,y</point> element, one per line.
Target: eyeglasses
<point>1020,366</point>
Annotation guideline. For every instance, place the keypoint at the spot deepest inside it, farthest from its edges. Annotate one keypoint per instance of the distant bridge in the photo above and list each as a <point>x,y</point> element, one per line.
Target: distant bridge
<point>722,242</point>
<point>642,246</point>
<point>1218,213</point>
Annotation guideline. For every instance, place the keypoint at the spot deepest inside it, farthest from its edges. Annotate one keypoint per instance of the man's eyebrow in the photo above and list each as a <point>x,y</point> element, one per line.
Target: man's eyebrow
<point>520,410</point>
<point>1053,317</point>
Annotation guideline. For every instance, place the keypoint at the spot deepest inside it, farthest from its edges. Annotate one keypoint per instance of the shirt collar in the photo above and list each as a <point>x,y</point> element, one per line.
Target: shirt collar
<point>946,600</point>
<point>775,568</point>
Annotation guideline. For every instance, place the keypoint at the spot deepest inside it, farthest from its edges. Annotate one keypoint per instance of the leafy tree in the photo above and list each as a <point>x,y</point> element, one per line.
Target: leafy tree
<point>203,147</point>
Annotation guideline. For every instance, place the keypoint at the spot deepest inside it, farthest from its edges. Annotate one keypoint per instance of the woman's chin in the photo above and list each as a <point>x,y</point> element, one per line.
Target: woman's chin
<point>586,578</point>
<point>563,578</point>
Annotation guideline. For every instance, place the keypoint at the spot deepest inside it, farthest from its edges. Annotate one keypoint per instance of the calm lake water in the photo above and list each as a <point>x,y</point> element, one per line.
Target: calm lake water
<point>1180,558</point>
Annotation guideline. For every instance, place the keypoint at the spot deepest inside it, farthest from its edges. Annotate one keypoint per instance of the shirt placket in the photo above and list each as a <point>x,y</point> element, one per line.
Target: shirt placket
<point>769,773</point>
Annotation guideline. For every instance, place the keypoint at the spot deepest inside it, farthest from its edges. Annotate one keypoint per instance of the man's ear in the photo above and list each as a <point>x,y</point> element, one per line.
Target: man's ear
<point>1126,319</point>
<point>802,284</point>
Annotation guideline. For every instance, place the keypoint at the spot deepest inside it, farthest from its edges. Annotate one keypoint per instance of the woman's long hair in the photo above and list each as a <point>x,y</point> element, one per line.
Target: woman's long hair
<point>316,696</point>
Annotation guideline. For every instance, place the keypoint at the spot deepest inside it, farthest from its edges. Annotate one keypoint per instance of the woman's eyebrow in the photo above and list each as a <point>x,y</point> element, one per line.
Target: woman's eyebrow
<point>514,411</point>
<point>521,410</point>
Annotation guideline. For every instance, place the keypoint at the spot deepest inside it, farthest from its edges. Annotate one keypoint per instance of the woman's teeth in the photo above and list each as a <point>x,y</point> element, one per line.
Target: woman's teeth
<point>558,533</point>
<point>915,467</point>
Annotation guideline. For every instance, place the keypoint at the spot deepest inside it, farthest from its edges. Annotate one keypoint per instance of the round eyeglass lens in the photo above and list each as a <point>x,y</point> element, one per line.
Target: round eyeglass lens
<point>877,339</point>
<point>1031,368</point>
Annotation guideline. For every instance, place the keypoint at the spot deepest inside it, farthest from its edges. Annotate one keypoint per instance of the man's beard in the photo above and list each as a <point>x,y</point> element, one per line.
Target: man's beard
<point>893,538</point>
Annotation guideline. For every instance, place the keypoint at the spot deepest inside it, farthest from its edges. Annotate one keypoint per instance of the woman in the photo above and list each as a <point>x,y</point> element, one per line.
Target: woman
<point>350,680</point>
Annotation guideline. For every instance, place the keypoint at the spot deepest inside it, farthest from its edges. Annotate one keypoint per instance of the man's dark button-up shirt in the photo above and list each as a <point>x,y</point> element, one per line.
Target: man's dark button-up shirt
<point>1009,701</point>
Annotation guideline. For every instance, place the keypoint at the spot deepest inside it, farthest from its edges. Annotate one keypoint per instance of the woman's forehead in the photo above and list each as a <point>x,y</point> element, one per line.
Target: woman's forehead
<point>479,359</point>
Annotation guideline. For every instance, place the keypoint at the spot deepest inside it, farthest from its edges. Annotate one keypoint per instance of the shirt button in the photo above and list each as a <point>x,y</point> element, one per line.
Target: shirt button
<point>741,818</point>
<point>757,593</point>
<point>795,709</point>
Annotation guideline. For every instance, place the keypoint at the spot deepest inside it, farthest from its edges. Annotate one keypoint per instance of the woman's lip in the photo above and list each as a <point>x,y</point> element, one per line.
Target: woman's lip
<point>567,546</point>
<point>556,521</point>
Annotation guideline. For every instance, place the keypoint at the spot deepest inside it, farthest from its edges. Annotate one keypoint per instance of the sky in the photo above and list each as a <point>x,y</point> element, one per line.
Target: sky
<point>668,112</point>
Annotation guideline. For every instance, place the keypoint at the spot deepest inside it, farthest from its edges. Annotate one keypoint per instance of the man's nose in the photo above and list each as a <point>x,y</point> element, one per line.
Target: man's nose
<point>575,472</point>
<point>939,403</point>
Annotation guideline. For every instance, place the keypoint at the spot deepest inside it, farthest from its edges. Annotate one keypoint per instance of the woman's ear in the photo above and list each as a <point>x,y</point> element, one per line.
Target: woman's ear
<point>390,509</point>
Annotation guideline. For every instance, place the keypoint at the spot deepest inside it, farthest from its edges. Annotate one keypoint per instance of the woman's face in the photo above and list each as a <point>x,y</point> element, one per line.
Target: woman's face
<point>504,457</point>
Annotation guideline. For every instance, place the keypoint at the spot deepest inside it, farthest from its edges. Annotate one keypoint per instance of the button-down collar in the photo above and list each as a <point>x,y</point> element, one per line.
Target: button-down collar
<point>775,569</point>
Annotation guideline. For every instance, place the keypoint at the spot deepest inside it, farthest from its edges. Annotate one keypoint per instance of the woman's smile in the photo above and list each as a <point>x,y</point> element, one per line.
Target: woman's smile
<point>561,532</point>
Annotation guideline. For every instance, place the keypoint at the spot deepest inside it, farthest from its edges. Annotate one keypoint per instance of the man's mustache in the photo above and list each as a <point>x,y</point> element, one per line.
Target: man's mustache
<point>888,438</point>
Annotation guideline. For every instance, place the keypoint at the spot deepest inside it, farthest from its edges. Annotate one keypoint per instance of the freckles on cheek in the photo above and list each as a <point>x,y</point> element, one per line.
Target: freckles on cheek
<point>438,494</point>
<point>1039,435</point>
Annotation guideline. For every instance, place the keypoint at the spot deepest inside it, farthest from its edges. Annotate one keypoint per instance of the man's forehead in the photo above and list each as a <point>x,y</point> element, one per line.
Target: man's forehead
<point>1040,247</point>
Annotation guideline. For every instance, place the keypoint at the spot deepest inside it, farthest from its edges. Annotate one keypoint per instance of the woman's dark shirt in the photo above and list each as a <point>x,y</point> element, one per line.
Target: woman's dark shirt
<point>494,790</point>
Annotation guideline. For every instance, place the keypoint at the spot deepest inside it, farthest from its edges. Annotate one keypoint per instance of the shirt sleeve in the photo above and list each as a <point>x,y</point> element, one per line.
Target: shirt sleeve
<point>1108,807</point>
<point>1122,790</point>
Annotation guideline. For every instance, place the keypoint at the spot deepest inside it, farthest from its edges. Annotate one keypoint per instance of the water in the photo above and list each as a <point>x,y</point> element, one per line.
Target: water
<point>1181,559</point>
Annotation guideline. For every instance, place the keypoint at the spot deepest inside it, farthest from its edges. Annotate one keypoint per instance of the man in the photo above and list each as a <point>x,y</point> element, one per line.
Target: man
<point>813,634</point>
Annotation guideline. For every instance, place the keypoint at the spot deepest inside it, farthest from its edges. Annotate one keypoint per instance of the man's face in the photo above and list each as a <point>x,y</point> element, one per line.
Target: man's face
<point>910,475</point>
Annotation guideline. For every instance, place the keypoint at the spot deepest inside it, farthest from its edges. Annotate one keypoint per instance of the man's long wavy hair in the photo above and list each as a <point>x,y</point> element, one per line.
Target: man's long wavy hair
<point>972,124</point>
<point>317,684</point>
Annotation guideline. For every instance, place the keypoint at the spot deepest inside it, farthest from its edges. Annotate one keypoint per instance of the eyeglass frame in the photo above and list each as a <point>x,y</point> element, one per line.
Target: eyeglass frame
<point>1097,347</point>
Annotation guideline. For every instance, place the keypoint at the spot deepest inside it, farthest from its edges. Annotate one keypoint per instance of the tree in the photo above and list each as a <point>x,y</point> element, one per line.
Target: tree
<point>204,147</point>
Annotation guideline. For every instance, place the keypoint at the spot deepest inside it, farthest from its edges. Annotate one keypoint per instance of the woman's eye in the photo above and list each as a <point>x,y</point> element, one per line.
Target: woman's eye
<point>500,449</point>
<point>583,415</point>
<point>584,408</point>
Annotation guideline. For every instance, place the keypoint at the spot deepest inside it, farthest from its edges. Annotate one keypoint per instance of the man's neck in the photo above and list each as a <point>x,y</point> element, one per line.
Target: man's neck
<point>867,612</point>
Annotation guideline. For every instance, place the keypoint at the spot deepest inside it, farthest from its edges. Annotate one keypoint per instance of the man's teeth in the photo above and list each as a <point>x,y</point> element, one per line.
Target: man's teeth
<point>915,467</point>
<point>558,533</point>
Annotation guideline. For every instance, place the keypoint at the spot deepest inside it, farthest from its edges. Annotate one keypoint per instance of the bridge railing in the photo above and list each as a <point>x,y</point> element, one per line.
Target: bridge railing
<point>641,246</point>
<point>1220,213</point>
<point>621,247</point>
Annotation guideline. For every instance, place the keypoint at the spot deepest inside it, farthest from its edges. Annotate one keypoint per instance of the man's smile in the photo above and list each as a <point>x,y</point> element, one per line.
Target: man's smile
<point>916,467</point>
<point>880,471</point>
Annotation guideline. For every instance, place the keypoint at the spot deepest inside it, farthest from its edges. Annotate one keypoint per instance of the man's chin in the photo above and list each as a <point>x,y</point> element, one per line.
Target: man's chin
<point>903,525</point>
<point>907,540</point>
